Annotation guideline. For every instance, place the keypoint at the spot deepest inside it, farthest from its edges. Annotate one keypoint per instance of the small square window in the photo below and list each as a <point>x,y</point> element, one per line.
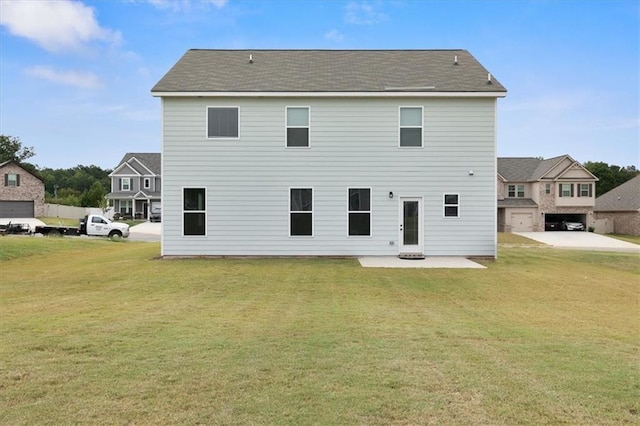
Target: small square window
<point>222,122</point>
<point>11,179</point>
<point>451,205</point>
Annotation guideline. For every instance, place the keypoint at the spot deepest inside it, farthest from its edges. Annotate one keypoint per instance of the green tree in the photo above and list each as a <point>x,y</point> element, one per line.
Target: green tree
<point>11,149</point>
<point>609,176</point>
<point>94,196</point>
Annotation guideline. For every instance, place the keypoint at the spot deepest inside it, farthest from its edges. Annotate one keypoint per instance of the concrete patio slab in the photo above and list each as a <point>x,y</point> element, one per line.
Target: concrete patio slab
<point>429,262</point>
<point>581,241</point>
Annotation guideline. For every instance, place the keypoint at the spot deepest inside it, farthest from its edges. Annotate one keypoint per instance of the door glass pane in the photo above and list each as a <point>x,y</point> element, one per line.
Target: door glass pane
<point>410,223</point>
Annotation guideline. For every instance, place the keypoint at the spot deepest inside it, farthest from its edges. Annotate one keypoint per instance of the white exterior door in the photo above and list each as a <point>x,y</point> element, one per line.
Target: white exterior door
<point>411,225</point>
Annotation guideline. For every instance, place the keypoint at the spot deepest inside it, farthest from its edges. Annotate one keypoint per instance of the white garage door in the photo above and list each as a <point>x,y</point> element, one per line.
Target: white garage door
<point>16,209</point>
<point>521,222</point>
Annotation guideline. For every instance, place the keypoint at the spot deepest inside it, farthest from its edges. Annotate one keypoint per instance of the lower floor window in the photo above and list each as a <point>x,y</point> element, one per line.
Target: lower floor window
<point>126,207</point>
<point>301,212</point>
<point>194,211</point>
<point>451,205</point>
<point>359,211</point>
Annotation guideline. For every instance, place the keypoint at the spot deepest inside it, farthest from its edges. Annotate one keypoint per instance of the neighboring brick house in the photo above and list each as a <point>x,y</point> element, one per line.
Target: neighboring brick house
<point>621,205</point>
<point>136,184</point>
<point>535,194</point>
<point>21,192</point>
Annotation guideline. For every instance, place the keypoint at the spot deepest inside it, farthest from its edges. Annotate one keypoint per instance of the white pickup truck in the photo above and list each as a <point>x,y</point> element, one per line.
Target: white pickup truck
<point>92,224</point>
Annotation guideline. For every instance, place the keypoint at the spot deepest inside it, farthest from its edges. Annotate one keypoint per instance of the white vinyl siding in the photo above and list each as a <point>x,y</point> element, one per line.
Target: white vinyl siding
<point>355,141</point>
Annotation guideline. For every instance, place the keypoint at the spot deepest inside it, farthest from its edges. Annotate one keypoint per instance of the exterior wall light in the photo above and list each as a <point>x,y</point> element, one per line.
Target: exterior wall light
<point>390,194</point>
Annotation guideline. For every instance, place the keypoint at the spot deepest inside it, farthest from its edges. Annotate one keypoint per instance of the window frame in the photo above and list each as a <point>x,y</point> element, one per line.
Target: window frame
<point>370,212</point>
<point>15,182</point>
<point>291,212</point>
<point>147,183</point>
<point>445,205</point>
<point>547,188</point>
<point>560,192</point>
<point>129,184</point>
<point>588,188</point>
<point>204,212</point>
<point>516,191</point>
<point>400,126</point>
<point>287,126</point>
<point>128,207</point>
<point>219,138</point>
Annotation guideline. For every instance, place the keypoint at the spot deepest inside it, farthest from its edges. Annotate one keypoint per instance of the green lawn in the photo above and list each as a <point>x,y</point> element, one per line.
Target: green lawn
<point>635,239</point>
<point>99,332</point>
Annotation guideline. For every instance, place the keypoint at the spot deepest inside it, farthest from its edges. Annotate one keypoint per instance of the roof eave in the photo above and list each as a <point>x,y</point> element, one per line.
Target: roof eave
<point>494,94</point>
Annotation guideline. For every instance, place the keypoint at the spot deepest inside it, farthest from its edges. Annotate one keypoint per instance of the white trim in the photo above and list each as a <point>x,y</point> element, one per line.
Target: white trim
<point>332,94</point>
<point>206,128</point>
<point>144,183</point>
<point>162,228</point>
<point>445,205</point>
<point>121,186</point>
<point>182,212</point>
<point>400,127</point>
<point>370,211</point>
<point>289,212</point>
<point>286,126</point>
<point>117,170</point>
<point>420,245</point>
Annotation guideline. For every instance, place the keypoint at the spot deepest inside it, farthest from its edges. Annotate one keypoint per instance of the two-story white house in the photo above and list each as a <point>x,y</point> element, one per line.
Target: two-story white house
<point>535,194</point>
<point>136,184</point>
<point>325,152</point>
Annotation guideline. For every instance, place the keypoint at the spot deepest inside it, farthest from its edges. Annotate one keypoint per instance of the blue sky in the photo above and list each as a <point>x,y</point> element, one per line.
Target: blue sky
<point>75,76</point>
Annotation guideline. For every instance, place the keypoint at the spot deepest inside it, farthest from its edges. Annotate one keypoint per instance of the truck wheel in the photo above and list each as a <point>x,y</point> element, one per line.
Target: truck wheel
<point>54,233</point>
<point>115,235</point>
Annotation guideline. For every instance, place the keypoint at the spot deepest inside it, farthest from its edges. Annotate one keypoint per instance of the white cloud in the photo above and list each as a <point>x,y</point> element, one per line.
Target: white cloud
<point>56,26</point>
<point>84,80</point>
<point>364,13</point>
<point>334,35</point>
<point>177,5</point>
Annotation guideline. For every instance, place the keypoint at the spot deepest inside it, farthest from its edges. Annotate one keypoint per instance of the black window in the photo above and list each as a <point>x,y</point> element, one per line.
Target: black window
<point>359,211</point>
<point>222,122</point>
<point>451,205</point>
<point>194,211</point>
<point>301,212</point>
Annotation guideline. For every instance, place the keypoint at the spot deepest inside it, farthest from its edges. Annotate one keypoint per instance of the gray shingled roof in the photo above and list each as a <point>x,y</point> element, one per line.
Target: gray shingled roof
<point>525,169</point>
<point>327,71</point>
<point>625,197</point>
<point>151,160</point>
<point>516,202</point>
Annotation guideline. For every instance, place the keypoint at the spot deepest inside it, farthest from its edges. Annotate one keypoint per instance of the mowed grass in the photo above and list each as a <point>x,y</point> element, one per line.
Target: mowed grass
<point>98,332</point>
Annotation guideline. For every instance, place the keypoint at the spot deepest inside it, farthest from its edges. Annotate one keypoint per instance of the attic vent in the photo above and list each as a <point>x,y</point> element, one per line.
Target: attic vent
<point>455,60</point>
<point>489,78</point>
<point>411,88</point>
<point>250,59</point>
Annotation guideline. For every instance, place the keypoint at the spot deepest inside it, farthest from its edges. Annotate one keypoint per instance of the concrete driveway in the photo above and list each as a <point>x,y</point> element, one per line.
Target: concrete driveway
<point>581,241</point>
<point>146,231</point>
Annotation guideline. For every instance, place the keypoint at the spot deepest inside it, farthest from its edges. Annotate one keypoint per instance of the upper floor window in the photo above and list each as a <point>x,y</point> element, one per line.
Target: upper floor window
<point>410,131</point>
<point>547,188</point>
<point>298,127</point>
<point>147,183</point>
<point>11,179</point>
<point>516,191</point>
<point>451,205</point>
<point>359,211</point>
<point>222,122</point>
<point>125,184</point>
<point>584,190</point>
<point>301,212</point>
<point>566,190</point>
<point>194,211</point>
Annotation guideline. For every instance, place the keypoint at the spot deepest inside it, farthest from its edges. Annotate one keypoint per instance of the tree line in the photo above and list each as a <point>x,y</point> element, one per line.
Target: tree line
<point>87,186</point>
<point>80,186</point>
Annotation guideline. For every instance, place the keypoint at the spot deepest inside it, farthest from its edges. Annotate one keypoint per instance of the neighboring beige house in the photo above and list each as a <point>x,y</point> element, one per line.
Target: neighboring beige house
<point>535,194</point>
<point>21,192</point>
<point>136,184</point>
<point>621,206</point>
